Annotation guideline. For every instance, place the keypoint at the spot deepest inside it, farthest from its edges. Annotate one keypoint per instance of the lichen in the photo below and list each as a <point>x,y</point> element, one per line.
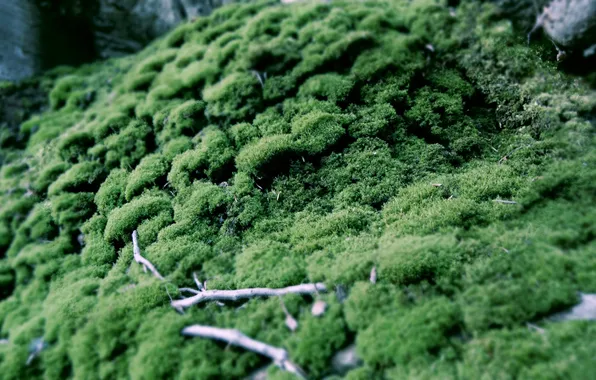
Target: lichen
<point>269,145</point>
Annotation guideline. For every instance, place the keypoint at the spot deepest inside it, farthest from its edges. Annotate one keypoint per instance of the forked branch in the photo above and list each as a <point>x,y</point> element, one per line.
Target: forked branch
<point>237,338</point>
<point>235,295</point>
<point>141,260</point>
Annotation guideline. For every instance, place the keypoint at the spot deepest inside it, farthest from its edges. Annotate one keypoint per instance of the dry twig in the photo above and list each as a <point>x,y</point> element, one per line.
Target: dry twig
<point>505,201</point>
<point>318,308</point>
<point>141,260</point>
<point>235,295</point>
<point>291,322</point>
<point>237,338</point>
<point>373,275</point>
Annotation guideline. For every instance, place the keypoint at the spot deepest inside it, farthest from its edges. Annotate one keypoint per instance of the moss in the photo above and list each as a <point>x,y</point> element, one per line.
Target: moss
<point>70,209</point>
<point>63,90</point>
<point>150,170</point>
<point>80,177</point>
<point>331,87</point>
<point>111,193</point>
<point>243,134</point>
<point>235,97</point>
<point>317,131</point>
<point>411,260</point>
<point>111,123</point>
<point>255,157</point>
<point>272,145</point>
<point>185,120</point>
<point>317,339</point>
<point>493,283</point>
<point>126,148</point>
<point>211,158</point>
<point>268,264</point>
<point>525,353</point>
<point>123,220</point>
<point>73,147</point>
<point>424,327</point>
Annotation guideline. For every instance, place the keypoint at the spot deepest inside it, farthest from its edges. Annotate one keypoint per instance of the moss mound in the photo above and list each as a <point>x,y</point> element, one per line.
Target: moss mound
<point>271,145</point>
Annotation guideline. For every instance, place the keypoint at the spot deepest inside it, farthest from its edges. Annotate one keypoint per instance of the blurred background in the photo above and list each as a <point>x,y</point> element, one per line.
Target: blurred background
<point>41,34</point>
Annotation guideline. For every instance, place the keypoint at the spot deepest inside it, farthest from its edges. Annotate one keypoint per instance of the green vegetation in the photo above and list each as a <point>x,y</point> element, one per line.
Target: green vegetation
<point>270,145</point>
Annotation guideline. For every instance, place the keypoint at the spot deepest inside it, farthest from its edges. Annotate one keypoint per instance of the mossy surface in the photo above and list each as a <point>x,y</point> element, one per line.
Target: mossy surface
<point>270,145</point>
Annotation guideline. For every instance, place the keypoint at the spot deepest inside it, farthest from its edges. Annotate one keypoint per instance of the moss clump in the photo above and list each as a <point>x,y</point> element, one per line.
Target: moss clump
<point>150,170</point>
<point>80,177</point>
<point>271,145</point>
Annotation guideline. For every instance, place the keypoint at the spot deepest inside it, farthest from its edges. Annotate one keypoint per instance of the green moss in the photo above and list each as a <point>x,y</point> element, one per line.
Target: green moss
<point>185,120</point>
<point>126,148</point>
<point>73,147</point>
<point>122,221</point>
<point>235,97</point>
<point>317,131</point>
<point>503,290</point>
<point>331,87</point>
<point>411,260</point>
<point>268,264</point>
<point>63,90</point>
<point>80,177</point>
<point>211,158</point>
<point>274,144</point>
<point>424,327</point>
<point>254,158</point>
<point>150,170</point>
<point>69,210</point>
<point>111,193</point>
<point>317,339</point>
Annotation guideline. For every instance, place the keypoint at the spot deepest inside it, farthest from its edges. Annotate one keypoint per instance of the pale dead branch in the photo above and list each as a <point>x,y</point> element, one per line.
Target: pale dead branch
<point>235,295</point>
<point>291,322</point>
<point>141,260</point>
<point>346,360</point>
<point>534,327</point>
<point>318,308</point>
<point>189,290</point>
<point>373,275</point>
<point>505,201</point>
<point>3,341</point>
<point>199,285</point>
<point>237,338</point>
<point>35,348</point>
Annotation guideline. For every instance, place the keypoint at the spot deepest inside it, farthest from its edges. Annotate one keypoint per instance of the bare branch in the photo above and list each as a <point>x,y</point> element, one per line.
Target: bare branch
<point>189,290</point>
<point>291,322</point>
<point>505,201</point>
<point>199,285</point>
<point>237,338</point>
<point>373,275</point>
<point>141,260</point>
<point>35,348</point>
<point>532,326</point>
<point>318,308</point>
<point>235,295</point>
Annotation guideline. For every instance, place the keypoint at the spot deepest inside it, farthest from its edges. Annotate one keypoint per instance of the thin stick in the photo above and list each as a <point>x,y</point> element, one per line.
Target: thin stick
<point>140,259</point>
<point>189,290</point>
<point>199,285</point>
<point>235,295</point>
<point>505,201</point>
<point>236,338</point>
